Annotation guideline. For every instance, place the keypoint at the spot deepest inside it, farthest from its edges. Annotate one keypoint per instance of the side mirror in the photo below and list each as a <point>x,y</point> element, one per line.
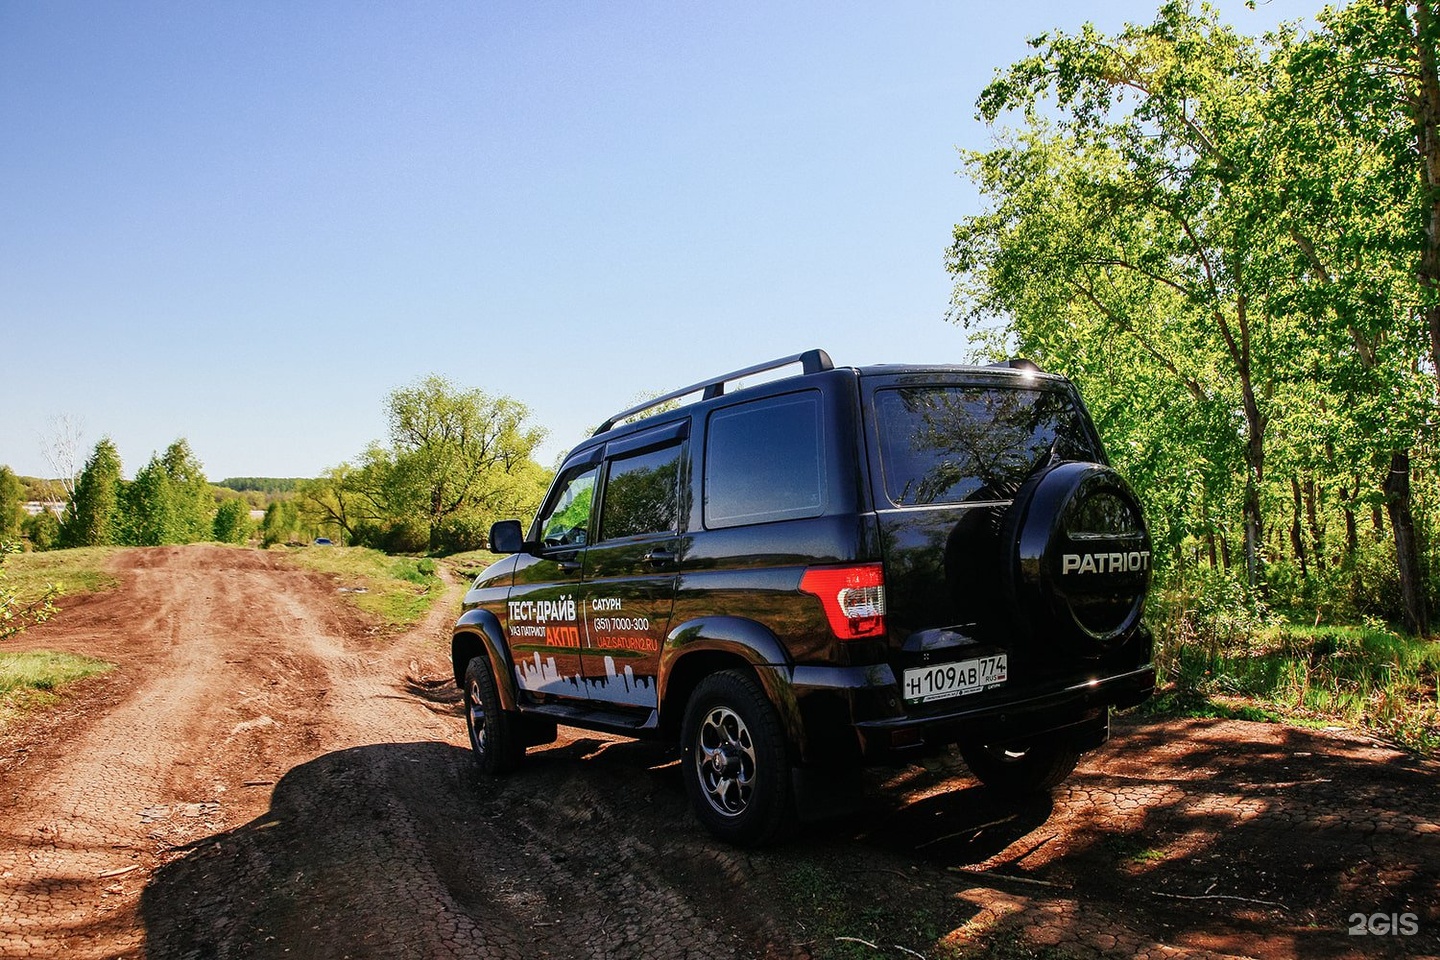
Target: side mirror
<point>507,537</point>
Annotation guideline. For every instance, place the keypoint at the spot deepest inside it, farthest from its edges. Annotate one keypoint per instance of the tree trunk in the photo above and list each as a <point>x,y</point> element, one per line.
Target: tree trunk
<point>1352,531</point>
<point>1426,111</point>
<point>1313,494</point>
<point>1297,538</point>
<point>1407,553</point>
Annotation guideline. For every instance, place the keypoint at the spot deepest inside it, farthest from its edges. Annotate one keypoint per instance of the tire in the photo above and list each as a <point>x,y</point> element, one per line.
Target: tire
<point>734,761</point>
<point>1020,771</point>
<point>495,734</point>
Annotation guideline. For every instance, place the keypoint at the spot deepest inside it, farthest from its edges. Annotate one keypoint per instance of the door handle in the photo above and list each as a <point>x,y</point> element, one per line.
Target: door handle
<point>661,558</point>
<point>570,566</point>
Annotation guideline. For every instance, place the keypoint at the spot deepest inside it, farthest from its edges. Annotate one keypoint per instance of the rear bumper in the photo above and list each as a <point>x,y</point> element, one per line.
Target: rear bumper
<point>849,713</point>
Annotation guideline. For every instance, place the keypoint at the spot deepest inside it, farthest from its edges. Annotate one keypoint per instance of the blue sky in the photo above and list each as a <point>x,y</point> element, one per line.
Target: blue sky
<point>246,224</point>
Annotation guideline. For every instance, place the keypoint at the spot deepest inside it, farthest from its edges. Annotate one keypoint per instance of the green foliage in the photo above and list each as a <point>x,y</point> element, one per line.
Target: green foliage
<point>42,530</point>
<point>271,486</point>
<point>232,522</point>
<point>17,611</point>
<point>457,461</point>
<point>406,535</point>
<point>192,502</point>
<point>1215,236</point>
<point>12,510</point>
<point>151,517</point>
<point>282,524</point>
<point>93,517</point>
<point>1361,676</point>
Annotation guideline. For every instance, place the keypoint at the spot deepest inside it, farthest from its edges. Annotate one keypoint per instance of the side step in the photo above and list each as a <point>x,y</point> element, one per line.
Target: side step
<point>626,723</point>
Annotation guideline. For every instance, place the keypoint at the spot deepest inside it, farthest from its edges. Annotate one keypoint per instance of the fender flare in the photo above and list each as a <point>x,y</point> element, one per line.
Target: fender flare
<point>479,631</point>
<point>745,640</point>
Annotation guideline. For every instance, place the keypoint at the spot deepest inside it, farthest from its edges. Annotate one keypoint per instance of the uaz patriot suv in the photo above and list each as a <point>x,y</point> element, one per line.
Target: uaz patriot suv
<point>836,567</point>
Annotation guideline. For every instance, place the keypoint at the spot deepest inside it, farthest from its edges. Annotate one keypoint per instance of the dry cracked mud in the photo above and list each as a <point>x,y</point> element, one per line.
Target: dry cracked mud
<point>266,775</point>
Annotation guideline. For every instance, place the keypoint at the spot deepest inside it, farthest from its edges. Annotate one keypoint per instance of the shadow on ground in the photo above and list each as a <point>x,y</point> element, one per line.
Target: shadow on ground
<point>1213,836</point>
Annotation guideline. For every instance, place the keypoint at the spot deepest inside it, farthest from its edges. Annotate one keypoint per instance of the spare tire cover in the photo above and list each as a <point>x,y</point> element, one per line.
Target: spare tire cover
<point>1081,565</point>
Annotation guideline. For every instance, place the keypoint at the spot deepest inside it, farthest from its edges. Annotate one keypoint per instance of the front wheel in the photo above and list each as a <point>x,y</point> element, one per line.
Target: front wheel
<point>1021,770</point>
<point>495,734</point>
<point>734,761</point>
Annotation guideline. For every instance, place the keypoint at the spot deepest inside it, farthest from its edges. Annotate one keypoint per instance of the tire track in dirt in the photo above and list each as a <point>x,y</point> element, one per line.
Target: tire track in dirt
<point>230,657</point>
<point>389,845</point>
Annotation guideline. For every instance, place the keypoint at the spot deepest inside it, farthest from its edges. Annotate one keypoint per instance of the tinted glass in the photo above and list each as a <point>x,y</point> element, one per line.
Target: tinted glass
<point>953,444</point>
<point>642,495</point>
<point>763,461</point>
<point>567,523</point>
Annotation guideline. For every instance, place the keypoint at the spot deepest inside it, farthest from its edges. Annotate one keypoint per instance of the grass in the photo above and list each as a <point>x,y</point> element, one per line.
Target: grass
<point>30,679</point>
<point>80,570</point>
<point>397,590</point>
<point>1363,677</point>
<point>469,565</point>
<point>840,922</point>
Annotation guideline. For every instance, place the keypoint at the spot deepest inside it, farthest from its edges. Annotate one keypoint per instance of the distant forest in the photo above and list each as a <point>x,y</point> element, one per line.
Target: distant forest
<point>270,486</point>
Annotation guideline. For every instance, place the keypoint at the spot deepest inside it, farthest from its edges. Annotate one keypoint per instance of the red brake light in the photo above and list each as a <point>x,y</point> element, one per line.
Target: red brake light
<point>853,598</point>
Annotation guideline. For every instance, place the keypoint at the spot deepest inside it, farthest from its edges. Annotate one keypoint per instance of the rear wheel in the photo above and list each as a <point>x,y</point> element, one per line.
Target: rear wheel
<point>495,734</point>
<point>736,768</point>
<point>1018,770</point>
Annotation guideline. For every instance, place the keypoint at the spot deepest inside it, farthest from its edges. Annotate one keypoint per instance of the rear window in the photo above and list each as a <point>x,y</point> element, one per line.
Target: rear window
<point>944,444</point>
<point>764,461</point>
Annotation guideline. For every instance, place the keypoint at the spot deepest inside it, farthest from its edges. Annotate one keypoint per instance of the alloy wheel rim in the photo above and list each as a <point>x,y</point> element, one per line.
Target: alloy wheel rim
<point>725,761</point>
<point>475,718</point>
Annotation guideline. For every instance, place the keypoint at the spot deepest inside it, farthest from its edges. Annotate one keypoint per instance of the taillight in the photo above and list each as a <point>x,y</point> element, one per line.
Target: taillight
<point>853,597</point>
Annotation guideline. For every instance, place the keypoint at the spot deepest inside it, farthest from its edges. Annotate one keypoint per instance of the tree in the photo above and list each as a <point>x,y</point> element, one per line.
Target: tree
<point>281,524</point>
<point>61,448</point>
<point>449,443</point>
<point>232,522</point>
<point>1359,101</point>
<point>12,510</point>
<point>336,501</point>
<point>192,502</point>
<point>92,518</point>
<point>456,462</point>
<point>42,530</point>
<point>1209,233</point>
<point>1151,164</point>
<point>151,515</point>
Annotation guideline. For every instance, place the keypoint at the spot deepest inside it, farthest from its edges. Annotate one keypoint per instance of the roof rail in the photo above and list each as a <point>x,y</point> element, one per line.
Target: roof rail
<point>811,361</point>
<point>1019,363</point>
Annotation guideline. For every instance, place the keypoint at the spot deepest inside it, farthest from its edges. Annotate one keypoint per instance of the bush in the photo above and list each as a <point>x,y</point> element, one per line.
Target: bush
<point>232,522</point>
<point>406,536</point>
<point>461,534</point>
<point>1211,609</point>
<point>42,530</point>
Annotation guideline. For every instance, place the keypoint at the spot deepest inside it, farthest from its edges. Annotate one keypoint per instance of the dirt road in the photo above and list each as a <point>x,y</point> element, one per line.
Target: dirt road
<point>265,776</point>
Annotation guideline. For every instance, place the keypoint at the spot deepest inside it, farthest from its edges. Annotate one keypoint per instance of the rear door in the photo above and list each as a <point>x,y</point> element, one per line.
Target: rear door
<point>631,568</point>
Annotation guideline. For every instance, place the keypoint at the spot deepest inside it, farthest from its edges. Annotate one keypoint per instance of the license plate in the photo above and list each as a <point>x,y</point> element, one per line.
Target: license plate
<point>956,679</point>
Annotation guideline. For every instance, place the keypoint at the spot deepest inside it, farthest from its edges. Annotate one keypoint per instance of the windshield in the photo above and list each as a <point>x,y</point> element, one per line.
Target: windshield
<point>946,444</point>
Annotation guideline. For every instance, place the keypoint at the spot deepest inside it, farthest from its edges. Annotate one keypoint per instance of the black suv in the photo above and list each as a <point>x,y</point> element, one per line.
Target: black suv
<point>832,568</point>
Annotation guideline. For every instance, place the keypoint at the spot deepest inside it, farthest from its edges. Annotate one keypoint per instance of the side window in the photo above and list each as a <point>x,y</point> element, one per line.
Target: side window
<point>642,494</point>
<point>566,522</point>
<point>764,460</point>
